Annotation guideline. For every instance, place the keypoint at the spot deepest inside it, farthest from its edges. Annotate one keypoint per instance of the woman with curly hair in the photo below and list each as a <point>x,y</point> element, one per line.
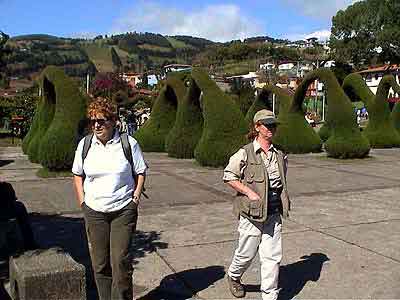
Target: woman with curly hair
<point>108,187</point>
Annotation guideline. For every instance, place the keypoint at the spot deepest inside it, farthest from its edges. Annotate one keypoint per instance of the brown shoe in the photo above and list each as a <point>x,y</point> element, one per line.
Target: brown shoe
<point>236,287</point>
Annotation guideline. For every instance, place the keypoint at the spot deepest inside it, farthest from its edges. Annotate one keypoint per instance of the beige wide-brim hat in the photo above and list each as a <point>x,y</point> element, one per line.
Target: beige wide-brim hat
<point>265,117</point>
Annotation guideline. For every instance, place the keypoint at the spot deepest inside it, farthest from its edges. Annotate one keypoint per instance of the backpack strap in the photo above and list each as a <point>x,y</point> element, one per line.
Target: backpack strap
<point>86,146</point>
<point>126,147</point>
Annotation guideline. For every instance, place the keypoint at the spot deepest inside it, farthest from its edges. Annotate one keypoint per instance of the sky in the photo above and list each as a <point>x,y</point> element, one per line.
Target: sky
<point>218,21</point>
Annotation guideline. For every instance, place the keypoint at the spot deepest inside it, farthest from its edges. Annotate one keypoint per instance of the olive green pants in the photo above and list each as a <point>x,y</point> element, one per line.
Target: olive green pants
<point>110,236</point>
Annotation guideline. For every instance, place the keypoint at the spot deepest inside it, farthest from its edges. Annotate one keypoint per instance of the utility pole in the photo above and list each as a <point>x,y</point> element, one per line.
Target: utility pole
<point>273,103</point>
<point>87,83</point>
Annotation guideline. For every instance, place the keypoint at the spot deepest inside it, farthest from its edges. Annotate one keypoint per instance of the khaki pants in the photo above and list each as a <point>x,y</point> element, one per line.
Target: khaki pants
<point>110,236</point>
<point>266,239</point>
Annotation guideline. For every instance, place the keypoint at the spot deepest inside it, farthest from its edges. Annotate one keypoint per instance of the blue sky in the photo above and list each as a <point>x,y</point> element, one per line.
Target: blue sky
<point>212,19</point>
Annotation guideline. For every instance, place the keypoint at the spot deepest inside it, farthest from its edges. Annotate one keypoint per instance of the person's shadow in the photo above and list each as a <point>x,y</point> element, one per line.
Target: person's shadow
<point>185,284</point>
<point>293,277</point>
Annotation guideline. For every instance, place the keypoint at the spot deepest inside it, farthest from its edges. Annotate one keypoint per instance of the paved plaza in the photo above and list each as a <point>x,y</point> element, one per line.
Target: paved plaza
<point>342,240</point>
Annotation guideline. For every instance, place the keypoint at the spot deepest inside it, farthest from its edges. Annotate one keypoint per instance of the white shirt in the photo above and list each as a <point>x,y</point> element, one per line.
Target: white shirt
<point>109,184</point>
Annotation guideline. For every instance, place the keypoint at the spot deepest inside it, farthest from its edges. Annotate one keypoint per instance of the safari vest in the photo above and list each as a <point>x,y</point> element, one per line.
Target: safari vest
<point>255,176</point>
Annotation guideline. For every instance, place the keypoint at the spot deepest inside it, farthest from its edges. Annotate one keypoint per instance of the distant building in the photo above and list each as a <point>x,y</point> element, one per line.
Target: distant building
<point>177,68</point>
<point>152,79</point>
<point>251,78</point>
<point>286,66</point>
<point>132,78</point>
<point>374,75</point>
<point>266,66</point>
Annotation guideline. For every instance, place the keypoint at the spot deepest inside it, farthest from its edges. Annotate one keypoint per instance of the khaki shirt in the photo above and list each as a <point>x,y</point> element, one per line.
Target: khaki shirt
<point>237,163</point>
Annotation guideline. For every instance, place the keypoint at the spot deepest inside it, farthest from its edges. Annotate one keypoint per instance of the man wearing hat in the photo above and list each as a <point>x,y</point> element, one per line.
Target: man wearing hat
<point>257,172</point>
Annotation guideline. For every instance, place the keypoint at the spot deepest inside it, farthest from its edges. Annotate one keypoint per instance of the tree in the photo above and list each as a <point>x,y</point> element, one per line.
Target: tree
<point>367,31</point>
<point>117,64</point>
<point>3,64</point>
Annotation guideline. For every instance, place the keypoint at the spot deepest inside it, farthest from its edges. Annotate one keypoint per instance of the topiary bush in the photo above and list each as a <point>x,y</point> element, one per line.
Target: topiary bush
<point>396,116</point>
<point>224,127</point>
<point>380,130</point>
<point>41,122</point>
<point>345,139</point>
<point>294,134</point>
<point>282,100</point>
<point>57,145</point>
<point>152,135</point>
<point>33,130</point>
<point>184,136</point>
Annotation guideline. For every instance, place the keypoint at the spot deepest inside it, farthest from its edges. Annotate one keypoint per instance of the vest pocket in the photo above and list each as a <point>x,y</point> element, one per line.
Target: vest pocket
<point>255,208</point>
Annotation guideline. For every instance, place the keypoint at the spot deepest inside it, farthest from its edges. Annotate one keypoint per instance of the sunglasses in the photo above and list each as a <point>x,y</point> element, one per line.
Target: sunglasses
<point>270,126</point>
<point>100,122</point>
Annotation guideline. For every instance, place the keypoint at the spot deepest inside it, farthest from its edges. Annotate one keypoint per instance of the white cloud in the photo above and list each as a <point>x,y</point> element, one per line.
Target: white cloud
<point>323,9</point>
<point>83,35</point>
<point>322,35</point>
<point>214,22</point>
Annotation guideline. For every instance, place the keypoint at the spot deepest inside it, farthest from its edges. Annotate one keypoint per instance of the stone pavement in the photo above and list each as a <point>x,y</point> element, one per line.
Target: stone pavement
<point>342,240</point>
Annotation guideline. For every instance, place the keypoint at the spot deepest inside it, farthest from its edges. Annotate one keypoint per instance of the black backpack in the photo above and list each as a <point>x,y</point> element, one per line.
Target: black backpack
<point>126,147</point>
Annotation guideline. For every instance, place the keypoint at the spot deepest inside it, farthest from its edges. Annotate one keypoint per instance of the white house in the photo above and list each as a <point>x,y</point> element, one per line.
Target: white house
<point>374,75</point>
<point>267,66</point>
<point>286,66</point>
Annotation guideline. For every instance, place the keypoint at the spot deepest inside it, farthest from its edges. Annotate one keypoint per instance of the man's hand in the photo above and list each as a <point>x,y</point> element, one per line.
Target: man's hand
<point>253,196</point>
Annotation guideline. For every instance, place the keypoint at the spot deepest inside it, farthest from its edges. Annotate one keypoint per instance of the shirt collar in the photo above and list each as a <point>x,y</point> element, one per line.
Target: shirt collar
<point>257,146</point>
<point>115,139</point>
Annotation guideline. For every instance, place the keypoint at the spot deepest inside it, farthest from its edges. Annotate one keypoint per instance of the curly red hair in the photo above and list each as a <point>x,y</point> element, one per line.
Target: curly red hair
<point>102,106</point>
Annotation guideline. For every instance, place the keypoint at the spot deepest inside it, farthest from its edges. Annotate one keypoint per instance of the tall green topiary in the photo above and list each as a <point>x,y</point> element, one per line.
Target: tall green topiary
<point>380,130</point>
<point>345,140</point>
<point>43,117</point>
<point>283,100</point>
<point>396,116</point>
<point>151,136</point>
<point>224,126</point>
<point>294,134</point>
<point>184,136</point>
<point>33,130</point>
<point>57,146</point>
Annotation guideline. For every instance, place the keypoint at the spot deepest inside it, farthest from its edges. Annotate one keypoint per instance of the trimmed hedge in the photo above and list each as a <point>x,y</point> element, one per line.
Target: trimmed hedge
<point>57,145</point>
<point>396,109</point>
<point>294,134</point>
<point>396,116</point>
<point>41,122</point>
<point>224,129</point>
<point>33,130</point>
<point>184,136</point>
<point>152,135</point>
<point>355,88</point>
<point>345,140</point>
<point>380,130</point>
<point>282,98</point>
